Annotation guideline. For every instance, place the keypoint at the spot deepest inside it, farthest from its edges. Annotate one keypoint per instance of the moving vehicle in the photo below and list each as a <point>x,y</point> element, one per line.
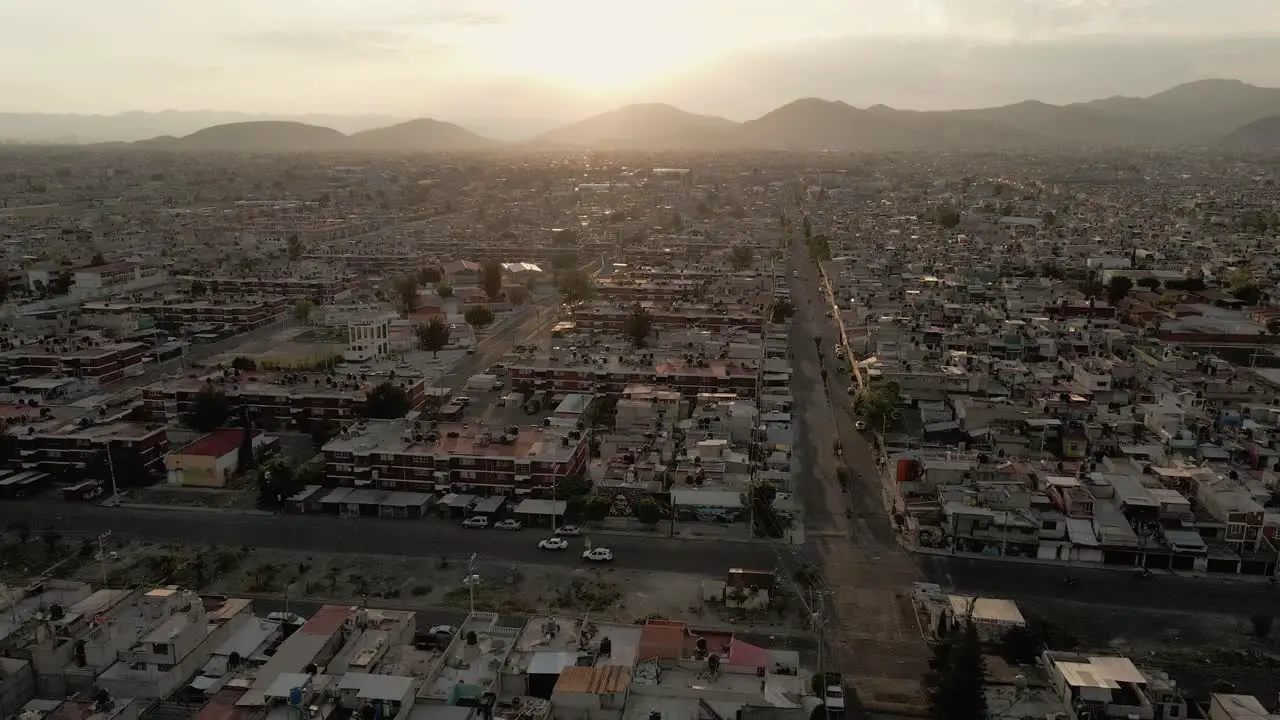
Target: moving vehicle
<point>568,531</point>
<point>476,521</point>
<point>860,426</point>
<point>833,698</point>
<point>598,554</point>
<point>553,543</point>
<point>462,400</point>
<point>509,524</point>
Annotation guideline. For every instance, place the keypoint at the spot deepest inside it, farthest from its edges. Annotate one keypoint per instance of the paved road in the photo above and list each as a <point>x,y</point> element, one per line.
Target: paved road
<point>1164,591</point>
<point>421,538</point>
<point>865,570</point>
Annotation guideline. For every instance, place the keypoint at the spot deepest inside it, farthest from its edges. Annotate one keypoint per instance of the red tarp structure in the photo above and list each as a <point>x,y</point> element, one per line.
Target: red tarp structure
<point>747,655</point>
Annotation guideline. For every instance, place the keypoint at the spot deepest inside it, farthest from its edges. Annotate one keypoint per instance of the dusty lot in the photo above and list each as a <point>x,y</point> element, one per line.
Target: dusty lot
<point>1204,652</point>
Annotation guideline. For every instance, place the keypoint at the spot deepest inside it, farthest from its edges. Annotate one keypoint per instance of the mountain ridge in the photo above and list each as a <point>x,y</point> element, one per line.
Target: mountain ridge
<point>1198,113</point>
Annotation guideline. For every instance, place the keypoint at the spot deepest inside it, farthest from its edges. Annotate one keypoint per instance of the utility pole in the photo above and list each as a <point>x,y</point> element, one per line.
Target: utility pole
<point>102,555</point>
<point>471,583</point>
<point>111,466</point>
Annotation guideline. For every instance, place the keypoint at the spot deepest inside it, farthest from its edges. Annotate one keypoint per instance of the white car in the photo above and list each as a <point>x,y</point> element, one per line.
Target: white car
<point>476,521</point>
<point>568,531</point>
<point>462,400</point>
<point>860,426</point>
<point>834,698</point>
<point>553,543</point>
<point>509,524</point>
<point>598,555</point>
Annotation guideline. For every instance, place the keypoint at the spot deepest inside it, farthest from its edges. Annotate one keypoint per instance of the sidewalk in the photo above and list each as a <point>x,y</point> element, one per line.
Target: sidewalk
<point>190,508</point>
<point>736,532</point>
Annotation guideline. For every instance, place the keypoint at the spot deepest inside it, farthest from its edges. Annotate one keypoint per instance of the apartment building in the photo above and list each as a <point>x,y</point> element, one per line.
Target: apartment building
<point>321,291</point>
<point>82,452</point>
<point>613,375</point>
<point>245,313</point>
<point>89,360</point>
<point>613,318</point>
<point>398,455</point>
<point>374,262</point>
<point>278,400</point>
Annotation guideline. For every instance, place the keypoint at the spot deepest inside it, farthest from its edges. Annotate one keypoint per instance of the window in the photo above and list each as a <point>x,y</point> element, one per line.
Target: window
<point>160,648</point>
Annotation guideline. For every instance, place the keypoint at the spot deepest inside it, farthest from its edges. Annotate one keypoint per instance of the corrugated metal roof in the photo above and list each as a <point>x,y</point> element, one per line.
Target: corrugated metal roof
<point>606,680</point>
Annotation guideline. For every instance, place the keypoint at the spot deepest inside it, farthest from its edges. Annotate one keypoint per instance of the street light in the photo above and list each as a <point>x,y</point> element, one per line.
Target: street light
<point>472,581</point>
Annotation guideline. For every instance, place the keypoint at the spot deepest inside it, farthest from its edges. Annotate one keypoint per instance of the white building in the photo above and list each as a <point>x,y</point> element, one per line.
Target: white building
<point>368,337</point>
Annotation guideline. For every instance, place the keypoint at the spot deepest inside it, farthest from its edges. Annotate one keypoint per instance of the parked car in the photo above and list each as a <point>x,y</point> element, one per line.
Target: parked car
<point>462,400</point>
<point>834,697</point>
<point>476,521</point>
<point>598,554</point>
<point>553,543</point>
<point>509,524</point>
<point>568,531</point>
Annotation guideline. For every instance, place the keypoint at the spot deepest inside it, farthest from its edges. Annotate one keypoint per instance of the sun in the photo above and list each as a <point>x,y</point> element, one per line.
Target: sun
<point>593,47</point>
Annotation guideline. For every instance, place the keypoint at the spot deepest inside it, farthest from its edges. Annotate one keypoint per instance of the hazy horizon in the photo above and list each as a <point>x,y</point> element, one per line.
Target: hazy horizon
<point>506,67</point>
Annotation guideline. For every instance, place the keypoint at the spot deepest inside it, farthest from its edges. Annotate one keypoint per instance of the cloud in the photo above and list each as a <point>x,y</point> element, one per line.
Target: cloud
<point>341,45</point>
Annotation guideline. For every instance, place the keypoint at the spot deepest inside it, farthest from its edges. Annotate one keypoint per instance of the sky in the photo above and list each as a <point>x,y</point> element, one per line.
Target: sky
<point>545,61</point>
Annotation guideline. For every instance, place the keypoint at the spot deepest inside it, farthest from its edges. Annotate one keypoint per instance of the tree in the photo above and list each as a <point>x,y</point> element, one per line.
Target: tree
<point>741,257</point>
<point>97,259</point>
<point>782,311</point>
<point>648,512</point>
<point>322,431</point>
<point>760,497</point>
<point>808,228</point>
<point>945,216</point>
<point>491,279</point>
<point>198,288</point>
<point>444,289</point>
<point>479,317</point>
<point>242,363</point>
<point>429,276</point>
<point>517,295</point>
<point>302,310</point>
<point>597,508</point>
<point>405,291</point>
<point>1117,288</point>
<point>277,482</point>
<point>676,223</point>
<point>1262,625</point>
<point>573,486</point>
<point>296,248</point>
<point>433,336</point>
<point>244,459</point>
<point>210,409</point>
<point>877,403</point>
<point>958,678</point>
<point>387,401</point>
<point>575,286</point>
<point>638,325</point>
<point>1149,283</point>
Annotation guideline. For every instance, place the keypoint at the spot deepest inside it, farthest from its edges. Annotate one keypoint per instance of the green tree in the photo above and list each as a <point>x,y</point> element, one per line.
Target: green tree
<point>491,279</point>
<point>198,288</point>
<point>244,458</point>
<point>244,364</point>
<point>638,325</point>
<point>675,223</point>
<point>302,310</point>
<point>444,289</point>
<point>1149,283</point>
<point>429,276</point>
<point>958,678</point>
<point>759,503</point>
<point>433,336</point>
<point>648,512</point>
<point>517,295</point>
<point>322,431</point>
<point>573,486</point>
<point>575,286</point>
<point>782,311</point>
<point>296,248</point>
<point>405,291</point>
<point>387,401</point>
<point>877,402</point>
<point>741,257</point>
<point>479,317</point>
<point>1117,288</point>
<point>277,482</point>
<point>597,508</point>
<point>210,409</point>
<point>808,228</point>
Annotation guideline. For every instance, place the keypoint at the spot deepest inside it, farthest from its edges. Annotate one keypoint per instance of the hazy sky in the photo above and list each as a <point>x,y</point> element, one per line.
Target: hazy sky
<point>552,59</point>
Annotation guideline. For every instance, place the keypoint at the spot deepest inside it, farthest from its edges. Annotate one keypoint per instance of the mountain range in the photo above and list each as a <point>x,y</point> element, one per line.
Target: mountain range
<point>1226,113</point>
